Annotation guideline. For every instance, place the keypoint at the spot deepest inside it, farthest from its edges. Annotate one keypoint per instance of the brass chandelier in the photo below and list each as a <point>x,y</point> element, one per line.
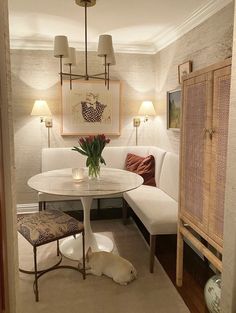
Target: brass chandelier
<point>67,54</point>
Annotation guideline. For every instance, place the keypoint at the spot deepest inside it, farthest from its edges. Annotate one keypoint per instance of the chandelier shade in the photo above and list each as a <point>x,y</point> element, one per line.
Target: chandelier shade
<point>71,60</point>
<point>61,47</point>
<point>105,47</point>
<point>110,59</point>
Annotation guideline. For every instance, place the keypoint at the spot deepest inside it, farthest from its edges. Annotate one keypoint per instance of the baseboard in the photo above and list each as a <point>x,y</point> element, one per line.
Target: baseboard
<point>27,208</point>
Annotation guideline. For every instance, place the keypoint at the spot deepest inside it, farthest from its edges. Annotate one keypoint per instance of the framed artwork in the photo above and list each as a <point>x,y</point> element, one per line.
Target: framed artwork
<point>173,109</point>
<point>183,70</point>
<point>89,108</point>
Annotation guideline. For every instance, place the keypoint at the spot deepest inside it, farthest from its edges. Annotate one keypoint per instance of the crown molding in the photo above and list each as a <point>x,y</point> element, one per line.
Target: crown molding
<point>32,44</point>
<point>153,46</point>
<point>196,18</point>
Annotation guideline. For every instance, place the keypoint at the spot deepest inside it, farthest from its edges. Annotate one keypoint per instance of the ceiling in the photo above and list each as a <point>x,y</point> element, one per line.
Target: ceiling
<point>136,25</point>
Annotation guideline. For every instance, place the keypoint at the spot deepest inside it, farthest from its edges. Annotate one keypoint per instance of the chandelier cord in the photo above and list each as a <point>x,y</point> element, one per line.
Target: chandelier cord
<point>86,43</point>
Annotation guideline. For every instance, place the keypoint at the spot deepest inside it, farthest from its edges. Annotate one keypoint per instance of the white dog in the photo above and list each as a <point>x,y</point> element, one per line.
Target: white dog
<point>111,265</point>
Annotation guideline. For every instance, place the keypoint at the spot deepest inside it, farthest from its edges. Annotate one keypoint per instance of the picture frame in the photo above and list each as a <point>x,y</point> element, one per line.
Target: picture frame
<point>183,70</point>
<point>173,109</point>
<point>90,109</point>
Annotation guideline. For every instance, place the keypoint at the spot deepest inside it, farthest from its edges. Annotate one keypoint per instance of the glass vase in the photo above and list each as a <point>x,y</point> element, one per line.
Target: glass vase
<point>94,171</point>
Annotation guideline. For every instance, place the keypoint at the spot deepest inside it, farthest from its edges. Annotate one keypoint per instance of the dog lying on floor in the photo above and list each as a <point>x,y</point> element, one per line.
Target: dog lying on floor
<point>111,265</point>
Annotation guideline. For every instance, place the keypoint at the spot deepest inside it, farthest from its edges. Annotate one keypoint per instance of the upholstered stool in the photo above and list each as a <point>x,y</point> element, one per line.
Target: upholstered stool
<point>45,227</point>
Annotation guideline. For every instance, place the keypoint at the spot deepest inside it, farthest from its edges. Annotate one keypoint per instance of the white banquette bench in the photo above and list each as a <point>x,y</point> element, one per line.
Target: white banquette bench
<point>156,207</point>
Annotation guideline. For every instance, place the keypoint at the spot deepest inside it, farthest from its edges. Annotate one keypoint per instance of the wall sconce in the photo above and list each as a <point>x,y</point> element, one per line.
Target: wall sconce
<point>146,109</point>
<point>42,110</point>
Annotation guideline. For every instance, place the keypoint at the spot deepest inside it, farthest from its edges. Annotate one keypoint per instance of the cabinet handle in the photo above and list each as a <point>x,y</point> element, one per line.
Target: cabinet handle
<point>211,132</point>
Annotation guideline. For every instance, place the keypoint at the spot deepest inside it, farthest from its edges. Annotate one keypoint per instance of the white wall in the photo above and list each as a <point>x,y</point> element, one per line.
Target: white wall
<point>34,76</point>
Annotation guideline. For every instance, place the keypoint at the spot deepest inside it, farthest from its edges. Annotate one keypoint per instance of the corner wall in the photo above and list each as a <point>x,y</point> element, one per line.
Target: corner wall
<point>206,44</point>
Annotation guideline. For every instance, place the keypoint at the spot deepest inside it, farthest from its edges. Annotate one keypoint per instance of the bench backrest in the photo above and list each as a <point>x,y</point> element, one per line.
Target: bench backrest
<point>166,164</point>
<point>169,178</point>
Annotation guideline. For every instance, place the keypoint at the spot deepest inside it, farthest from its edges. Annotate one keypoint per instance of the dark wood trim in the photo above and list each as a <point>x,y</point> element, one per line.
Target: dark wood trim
<point>125,211</point>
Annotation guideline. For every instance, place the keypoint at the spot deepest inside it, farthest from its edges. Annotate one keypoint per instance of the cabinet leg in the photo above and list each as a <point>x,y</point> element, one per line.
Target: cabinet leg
<point>179,260</point>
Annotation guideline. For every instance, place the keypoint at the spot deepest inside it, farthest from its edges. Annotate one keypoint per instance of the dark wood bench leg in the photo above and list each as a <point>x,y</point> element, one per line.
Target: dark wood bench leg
<point>125,212</point>
<point>152,252</point>
<point>36,275</point>
<point>40,206</point>
<point>98,207</point>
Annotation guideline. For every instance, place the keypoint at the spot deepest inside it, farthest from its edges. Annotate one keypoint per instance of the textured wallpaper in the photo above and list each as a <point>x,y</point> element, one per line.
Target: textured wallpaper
<point>144,77</point>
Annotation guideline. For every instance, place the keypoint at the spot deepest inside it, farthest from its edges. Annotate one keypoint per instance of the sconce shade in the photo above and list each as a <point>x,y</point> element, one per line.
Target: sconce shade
<point>147,108</point>
<point>41,108</point>
<point>110,59</point>
<point>61,47</point>
<point>105,45</point>
<point>72,57</point>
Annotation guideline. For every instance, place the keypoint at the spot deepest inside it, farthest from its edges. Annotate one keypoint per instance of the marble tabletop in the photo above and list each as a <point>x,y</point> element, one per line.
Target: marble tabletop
<point>60,182</point>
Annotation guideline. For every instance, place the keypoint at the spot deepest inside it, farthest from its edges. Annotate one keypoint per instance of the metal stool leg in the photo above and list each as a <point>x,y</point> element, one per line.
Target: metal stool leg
<point>58,251</point>
<point>36,275</point>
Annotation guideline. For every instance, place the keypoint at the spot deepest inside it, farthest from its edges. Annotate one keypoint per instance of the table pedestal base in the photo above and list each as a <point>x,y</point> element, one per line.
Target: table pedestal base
<point>72,247</point>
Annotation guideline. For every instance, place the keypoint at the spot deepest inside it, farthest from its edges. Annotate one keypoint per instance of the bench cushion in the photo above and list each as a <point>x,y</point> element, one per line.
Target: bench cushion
<point>157,211</point>
<point>46,226</point>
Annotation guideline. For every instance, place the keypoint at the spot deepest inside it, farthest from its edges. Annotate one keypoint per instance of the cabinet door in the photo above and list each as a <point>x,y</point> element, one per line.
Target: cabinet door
<point>221,101</point>
<point>196,150</point>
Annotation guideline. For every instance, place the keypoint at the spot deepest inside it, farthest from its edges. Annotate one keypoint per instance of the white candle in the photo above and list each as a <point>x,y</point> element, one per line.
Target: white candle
<point>77,173</point>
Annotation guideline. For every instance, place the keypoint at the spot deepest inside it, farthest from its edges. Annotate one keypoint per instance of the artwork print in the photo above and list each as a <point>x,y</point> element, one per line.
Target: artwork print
<point>173,109</point>
<point>89,108</point>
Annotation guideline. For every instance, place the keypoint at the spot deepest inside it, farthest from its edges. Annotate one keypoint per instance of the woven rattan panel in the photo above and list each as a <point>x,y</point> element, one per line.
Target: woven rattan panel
<point>219,152</point>
<point>193,147</point>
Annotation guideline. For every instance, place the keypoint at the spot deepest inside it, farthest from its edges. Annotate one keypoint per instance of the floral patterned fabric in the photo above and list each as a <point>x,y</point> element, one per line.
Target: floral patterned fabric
<point>46,226</point>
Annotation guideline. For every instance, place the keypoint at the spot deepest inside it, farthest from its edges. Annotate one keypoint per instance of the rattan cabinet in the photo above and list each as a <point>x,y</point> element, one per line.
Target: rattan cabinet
<point>204,133</point>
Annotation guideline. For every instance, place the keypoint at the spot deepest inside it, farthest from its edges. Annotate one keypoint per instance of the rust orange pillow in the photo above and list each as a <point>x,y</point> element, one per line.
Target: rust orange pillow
<point>144,166</point>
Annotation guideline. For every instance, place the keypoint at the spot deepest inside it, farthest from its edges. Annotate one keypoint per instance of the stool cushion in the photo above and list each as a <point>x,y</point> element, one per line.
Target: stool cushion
<point>46,226</point>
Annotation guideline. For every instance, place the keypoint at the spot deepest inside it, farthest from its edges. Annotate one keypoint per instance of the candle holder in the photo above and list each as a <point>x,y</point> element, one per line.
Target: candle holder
<point>78,174</point>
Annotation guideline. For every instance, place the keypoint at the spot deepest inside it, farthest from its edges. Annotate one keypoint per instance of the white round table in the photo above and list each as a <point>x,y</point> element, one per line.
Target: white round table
<point>60,182</point>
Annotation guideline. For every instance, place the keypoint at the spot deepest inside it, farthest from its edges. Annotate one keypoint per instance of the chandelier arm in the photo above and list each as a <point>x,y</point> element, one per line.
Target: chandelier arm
<point>77,78</point>
<point>98,74</point>
<point>96,77</point>
<point>73,75</point>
